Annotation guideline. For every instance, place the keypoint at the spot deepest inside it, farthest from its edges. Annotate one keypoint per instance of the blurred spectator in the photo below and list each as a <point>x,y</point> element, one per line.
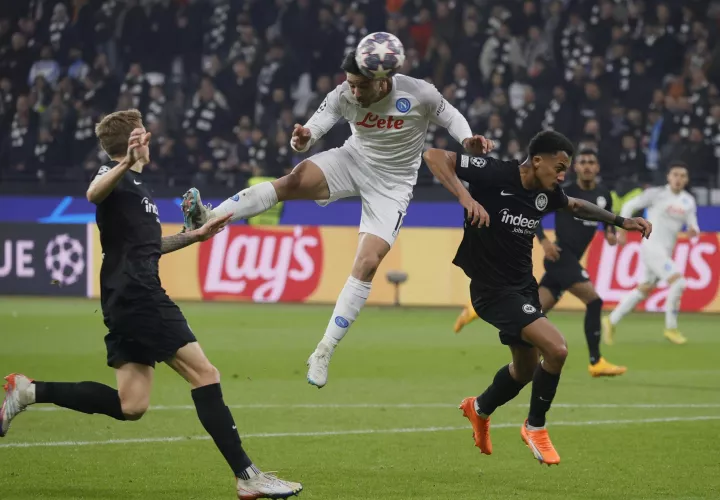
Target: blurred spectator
<point>16,150</point>
<point>356,31</point>
<point>59,31</point>
<point>16,62</point>
<point>46,67</point>
<point>136,85</point>
<point>699,157</point>
<point>208,114</point>
<point>240,86</point>
<point>222,83</point>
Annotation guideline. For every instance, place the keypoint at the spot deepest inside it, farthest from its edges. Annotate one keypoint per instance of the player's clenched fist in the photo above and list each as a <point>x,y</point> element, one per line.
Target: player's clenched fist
<point>476,214</point>
<point>637,224</point>
<point>478,145</point>
<point>300,137</point>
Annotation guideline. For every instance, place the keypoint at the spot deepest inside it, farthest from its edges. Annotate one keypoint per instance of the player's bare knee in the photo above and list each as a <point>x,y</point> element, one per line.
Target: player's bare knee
<point>366,266</point>
<point>645,288</point>
<point>678,280</point>
<point>291,182</point>
<point>556,355</point>
<point>207,375</point>
<point>134,410</point>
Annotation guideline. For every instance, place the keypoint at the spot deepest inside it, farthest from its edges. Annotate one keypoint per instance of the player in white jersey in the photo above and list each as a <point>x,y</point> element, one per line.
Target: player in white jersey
<point>669,208</point>
<point>389,118</point>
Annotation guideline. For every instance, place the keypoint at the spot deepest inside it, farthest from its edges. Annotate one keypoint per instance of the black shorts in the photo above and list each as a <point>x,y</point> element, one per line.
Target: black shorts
<point>562,274</point>
<point>145,331</point>
<point>509,311</point>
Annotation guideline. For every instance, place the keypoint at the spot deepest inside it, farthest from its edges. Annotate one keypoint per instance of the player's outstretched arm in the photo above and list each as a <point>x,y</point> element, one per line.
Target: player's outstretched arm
<point>447,116</point>
<point>442,164</point>
<point>327,115</point>
<point>106,180</point>
<point>589,211</point>
<point>182,240</point>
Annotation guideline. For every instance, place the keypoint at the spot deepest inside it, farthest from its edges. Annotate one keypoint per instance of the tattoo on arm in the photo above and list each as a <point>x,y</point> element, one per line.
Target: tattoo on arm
<point>589,211</point>
<point>177,241</point>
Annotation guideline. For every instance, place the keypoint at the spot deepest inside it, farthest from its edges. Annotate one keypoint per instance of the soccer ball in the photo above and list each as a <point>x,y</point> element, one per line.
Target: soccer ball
<point>379,55</point>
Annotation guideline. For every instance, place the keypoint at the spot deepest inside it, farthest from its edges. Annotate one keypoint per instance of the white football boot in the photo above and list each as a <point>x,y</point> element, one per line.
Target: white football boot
<point>18,396</point>
<point>266,485</point>
<point>318,362</point>
<point>195,214</point>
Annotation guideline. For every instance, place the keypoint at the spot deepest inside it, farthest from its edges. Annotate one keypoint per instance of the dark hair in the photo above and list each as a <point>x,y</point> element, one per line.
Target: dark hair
<point>349,65</point>
<point>550,142</point>
<point>587,151</point>
<point>678,164</point>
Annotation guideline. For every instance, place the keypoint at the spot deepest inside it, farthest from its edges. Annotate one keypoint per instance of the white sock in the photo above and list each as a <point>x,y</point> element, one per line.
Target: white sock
<point>248,202</point>
<point>626,305</point>
<point>351,300</point>
<point>672,303</point>
<point>249,473</point>
<point>477,410</point>
<point>533,428</point>
<point>30,393</point>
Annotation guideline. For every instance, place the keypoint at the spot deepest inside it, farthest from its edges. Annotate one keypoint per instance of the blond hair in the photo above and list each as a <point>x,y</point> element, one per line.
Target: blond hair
<point>114,130</point>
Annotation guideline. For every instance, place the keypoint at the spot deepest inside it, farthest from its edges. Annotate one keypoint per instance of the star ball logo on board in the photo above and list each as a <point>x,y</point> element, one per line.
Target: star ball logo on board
<point>64,259</point>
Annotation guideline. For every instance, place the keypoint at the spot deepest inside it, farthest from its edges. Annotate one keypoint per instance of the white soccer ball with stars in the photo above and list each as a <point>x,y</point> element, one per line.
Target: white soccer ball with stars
<point>380,55</point>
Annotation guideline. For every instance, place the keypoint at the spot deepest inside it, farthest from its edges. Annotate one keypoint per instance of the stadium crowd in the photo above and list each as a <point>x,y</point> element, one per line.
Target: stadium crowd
<point>221,82</point>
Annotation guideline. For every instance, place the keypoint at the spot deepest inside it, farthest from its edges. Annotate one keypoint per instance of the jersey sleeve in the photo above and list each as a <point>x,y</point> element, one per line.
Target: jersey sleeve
<point>609,207</point>
<point>557,199</point>
<point>327,115</point>
<point>442,113</point>
<point>480,171</point>
<point>101,171</point>
<point>640,202</point>
<point>691,220</point>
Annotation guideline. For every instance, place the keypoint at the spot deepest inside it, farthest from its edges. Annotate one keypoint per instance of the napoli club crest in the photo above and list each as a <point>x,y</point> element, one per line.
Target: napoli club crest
<point>403,105</point>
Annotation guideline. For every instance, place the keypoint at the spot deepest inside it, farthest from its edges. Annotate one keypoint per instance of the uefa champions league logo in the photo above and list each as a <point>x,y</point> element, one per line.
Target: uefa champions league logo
<point>64,259</point>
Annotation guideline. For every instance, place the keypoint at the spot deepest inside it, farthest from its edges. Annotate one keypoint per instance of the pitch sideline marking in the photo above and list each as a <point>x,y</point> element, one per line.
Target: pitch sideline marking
<point>351,432</point>
<point>310,406</point>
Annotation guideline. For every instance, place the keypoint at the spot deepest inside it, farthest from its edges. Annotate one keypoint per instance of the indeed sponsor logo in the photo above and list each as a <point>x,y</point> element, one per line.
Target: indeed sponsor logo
<point>519,221</point>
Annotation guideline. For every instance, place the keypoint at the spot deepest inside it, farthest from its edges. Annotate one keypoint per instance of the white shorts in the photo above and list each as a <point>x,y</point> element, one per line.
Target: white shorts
<point>384,202</point>
<point>658,264</point>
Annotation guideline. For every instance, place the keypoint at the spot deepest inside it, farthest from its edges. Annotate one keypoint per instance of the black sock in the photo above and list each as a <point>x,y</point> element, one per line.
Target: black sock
<point>592,329</point>
<point>543,391</point>
<point>502,390</point>
<point>219,423</point>
<point>85,397</point>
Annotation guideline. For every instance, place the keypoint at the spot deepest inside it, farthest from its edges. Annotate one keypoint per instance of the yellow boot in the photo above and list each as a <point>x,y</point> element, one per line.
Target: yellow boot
<point>675,336</point>
<point>603,368</point>
<point>467,316</point>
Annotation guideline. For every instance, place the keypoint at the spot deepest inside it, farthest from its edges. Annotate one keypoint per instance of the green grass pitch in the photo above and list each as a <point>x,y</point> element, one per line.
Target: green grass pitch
<point>386,426</point>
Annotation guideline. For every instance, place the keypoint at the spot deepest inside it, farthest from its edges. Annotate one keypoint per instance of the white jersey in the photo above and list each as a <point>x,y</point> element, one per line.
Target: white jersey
<point>667,212</point>
<point>389,135</point>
